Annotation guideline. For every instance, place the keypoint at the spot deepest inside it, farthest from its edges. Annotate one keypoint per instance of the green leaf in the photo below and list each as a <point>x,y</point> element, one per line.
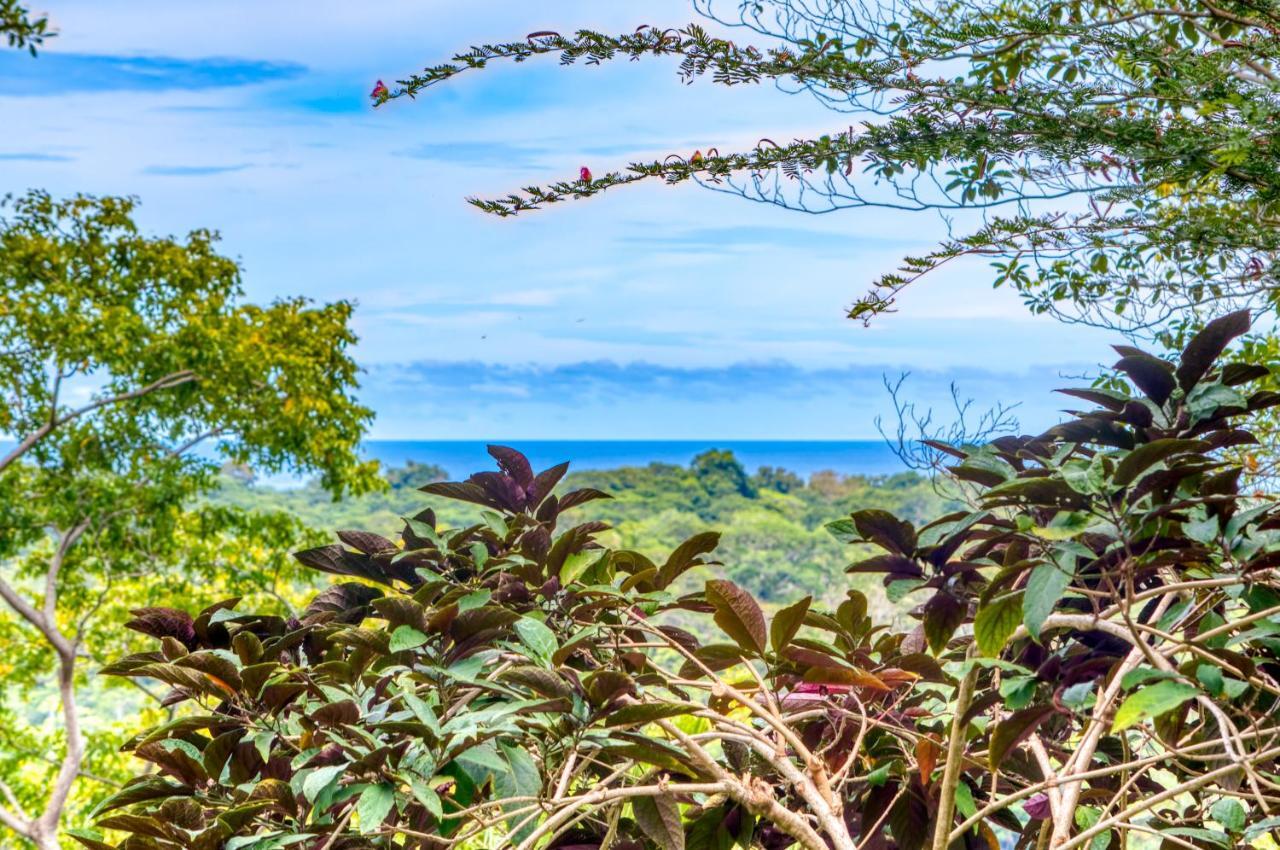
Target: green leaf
<point>474,600</point>
<point>965,804</point>
<point>374,805</point>
<point>576,565</point>
<point>1207,399</point>
<point>421,710</point>
<point>659,818</point>
<point>1230,814</point>
<point>996,622</point>
<point>900,589</point>
<point>1087,479</point>
<point>1152,701</point>
<point>843,530</point>
<point>787,622</point>
<point>1018,691</point>
<point>630,715</point>
<point>1045,587</point>
<point>1211,677</point>
<point>427,796</point>
<point>261,742</point>
<point>738,614</point>
<point>540,639</point>
<point>1138,675</point>
<point>1203,531</point>
<point>1212,836</point>
<point>1086,817</point>
<point>880,775</point>
<point>1064,526</point>
<point>321,779</point>
<point>1257,828</point>
<point>1079,697</point>
<point>406,637</point>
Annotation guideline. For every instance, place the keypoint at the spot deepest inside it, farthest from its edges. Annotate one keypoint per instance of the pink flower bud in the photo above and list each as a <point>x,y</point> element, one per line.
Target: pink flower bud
<point>380,91</point>
<point>584,174</point>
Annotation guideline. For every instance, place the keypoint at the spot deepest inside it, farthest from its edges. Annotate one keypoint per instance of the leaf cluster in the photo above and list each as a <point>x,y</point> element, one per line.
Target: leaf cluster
<point>1095,653</point>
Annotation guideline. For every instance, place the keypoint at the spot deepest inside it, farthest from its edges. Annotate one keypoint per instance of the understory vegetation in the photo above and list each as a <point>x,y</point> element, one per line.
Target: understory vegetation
<point>1092,657</point>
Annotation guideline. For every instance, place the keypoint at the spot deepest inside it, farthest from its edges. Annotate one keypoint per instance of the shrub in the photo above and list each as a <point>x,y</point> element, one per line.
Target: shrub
<point>1096,655</point>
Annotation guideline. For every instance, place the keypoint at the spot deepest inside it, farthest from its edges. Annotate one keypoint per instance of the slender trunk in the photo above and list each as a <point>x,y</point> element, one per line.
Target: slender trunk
<point>955,755</point>
<point>42,829</point>
<point>45,828</point>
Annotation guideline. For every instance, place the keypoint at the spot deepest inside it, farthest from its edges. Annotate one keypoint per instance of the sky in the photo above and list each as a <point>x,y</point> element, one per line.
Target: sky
<point>649,312</point>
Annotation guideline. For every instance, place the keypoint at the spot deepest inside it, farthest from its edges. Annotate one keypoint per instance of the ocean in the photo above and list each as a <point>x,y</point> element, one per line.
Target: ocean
<point>463,457</point>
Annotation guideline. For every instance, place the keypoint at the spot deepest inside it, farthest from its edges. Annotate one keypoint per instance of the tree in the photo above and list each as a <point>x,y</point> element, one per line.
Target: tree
<point>1113,159</point>
<point>721,474</point>
<point>129,365</point>
<point>1129,143</point>
<point>1095,657</point>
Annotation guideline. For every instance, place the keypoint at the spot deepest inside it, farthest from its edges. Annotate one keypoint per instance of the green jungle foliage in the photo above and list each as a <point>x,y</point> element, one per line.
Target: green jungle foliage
<point>127,363</point>
<point>1095,657</point>
<point>772,541</point>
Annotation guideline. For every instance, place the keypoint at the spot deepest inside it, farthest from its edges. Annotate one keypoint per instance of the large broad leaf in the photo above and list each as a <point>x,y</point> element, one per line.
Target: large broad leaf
<point>1150,374</point>
<point>642,713</point>
<point>886,531</point>
<point>1230,814</point>
<point>787,622</point>
<point>738,614</point>
<point>513,463</point>
<point>686,556</point>
<point>547,683</point>
<point>1045,587</point>
<point>659,818</point>
<point>374,805</point>
<point>367,542</point>
<point>547,480</point>
<point>1014,729</point>
<point>1110,399</point>
<point>996,621</point>
<point>1207,401</point>
<point>1145,456</point>
<point>580,497</point>
<point>538,638</point>
<point>1206,346</point>
<point>521,779</point>
<point>320,779</point>
<point>461,491</point>
<point>1152,701</point>
<point>909,819</point>
<point>346,603</point>
<point>140,790</point>
<point>943,614</point>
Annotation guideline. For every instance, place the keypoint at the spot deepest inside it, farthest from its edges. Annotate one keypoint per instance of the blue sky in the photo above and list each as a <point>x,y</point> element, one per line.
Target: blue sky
<point>647,313</point>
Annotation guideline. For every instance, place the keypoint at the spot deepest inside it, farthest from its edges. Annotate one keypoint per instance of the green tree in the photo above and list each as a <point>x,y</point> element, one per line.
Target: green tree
<point>130,367</point>
<point>720,474</point>
<point>1130,143</point>
<point>1113,159</point>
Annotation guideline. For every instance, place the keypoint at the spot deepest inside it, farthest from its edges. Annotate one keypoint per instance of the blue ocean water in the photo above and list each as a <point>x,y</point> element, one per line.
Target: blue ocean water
<point>463,457</point>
